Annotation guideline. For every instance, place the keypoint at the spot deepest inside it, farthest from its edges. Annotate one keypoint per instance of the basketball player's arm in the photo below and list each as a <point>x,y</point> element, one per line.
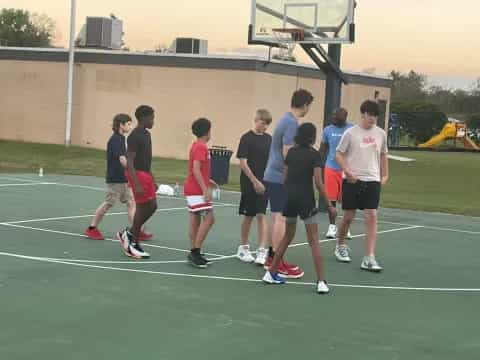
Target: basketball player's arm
<point>123,161</point>
<point>384,168</point>
<point>138,189</point>
<point>317,176</point>
<point>323,149</point>
<point>257,184</point>
<point>340,157</point>
<point>197,174</point>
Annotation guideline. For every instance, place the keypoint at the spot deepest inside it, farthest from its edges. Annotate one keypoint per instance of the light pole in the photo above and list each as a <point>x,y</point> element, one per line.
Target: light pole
<point>71,61</point>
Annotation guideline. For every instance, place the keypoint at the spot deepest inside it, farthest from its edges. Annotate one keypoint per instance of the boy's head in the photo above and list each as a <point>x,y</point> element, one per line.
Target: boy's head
<point>301,101</point>
<point>122,123</point>
<point>201,128</point>
<point>263,119</point>
<point>306,135</point>
<point>369,110</point>
<point>339,117</point>
<point>145,115</point>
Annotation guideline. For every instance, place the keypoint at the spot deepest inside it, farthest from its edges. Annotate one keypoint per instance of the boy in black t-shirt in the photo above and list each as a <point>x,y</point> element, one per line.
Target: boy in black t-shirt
<point>141,180</point>
<point>253,155</point>
<point>302,165</point>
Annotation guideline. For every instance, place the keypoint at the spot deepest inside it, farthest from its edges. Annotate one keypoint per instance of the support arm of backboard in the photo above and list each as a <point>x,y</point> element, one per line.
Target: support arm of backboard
<point>328,65</point>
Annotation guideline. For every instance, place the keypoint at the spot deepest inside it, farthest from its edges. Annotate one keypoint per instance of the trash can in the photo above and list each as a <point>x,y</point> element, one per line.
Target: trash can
<point>220,164</point>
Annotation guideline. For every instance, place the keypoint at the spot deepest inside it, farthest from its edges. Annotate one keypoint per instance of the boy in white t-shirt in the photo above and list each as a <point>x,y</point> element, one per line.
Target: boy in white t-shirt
<point>362,155</point>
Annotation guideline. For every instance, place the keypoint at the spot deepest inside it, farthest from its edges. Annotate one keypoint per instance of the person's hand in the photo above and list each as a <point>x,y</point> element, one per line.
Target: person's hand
<point>139,190</point>
<point>351,178</point>
<point>259,187</point>
<point>384,180</point>
<point>208,195</point>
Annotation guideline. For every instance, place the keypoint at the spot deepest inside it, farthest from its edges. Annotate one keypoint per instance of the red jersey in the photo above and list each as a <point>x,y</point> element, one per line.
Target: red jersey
<point>198,151</point>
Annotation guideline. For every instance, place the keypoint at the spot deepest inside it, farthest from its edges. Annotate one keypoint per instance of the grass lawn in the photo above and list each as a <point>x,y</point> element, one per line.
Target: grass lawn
<point>443,182</point>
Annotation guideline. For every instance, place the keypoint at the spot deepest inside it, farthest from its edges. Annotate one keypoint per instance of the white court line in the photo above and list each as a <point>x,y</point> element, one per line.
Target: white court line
<point>361,235</point>
<point>91,215</point>
<point>236,192</point>
<point>18,179</point>
<point>107,239</point>
<point>229,278</point>
<point>26,184</point>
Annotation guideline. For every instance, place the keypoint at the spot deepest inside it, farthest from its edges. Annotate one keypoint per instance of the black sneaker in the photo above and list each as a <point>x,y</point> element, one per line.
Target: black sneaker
<point>197,260</point>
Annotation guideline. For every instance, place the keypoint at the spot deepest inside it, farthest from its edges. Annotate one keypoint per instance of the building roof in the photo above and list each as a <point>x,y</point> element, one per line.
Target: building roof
<point>226,62</point>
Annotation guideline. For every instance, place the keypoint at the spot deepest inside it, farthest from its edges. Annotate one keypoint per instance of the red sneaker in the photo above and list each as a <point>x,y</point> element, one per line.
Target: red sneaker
<point>144,236</point>
<point>289,273</point>
<point>290,265</point>
<point>268,263</point>
<point>94,234</point>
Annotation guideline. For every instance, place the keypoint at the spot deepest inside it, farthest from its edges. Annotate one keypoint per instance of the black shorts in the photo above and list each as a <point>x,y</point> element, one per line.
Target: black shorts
<point>300,207</point>
<point>277,196</point>
<point>251,203</point>
<point>361,195</point>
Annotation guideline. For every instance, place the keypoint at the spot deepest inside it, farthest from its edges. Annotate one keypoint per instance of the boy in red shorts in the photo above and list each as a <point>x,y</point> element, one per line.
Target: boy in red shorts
<point>198,192</point>
<point>141,180</point>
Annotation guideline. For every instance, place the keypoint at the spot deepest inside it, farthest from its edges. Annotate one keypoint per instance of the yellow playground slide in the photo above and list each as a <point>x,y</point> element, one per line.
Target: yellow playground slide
<point>449,131</point>
<point>452,130</point>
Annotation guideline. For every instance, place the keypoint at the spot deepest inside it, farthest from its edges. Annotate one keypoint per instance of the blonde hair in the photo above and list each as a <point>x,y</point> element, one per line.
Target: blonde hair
<point>264,115</point>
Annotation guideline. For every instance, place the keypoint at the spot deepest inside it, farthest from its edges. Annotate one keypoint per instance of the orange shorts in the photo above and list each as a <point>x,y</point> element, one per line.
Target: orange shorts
<point>333,180</point>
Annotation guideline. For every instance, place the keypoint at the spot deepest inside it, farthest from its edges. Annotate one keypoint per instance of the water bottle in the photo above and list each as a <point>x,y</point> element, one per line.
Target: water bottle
<point>176,190</point>
<point>216,194</point>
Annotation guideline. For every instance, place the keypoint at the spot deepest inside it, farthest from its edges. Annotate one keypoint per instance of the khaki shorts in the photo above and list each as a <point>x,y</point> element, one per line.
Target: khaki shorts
<point>118,192</point>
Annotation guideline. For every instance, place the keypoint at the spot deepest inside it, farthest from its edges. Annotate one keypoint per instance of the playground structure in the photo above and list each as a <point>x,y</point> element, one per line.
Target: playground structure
<point>453,129</point>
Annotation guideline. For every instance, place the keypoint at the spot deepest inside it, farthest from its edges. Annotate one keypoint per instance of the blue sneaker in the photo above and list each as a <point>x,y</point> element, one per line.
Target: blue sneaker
<point>273,278</point>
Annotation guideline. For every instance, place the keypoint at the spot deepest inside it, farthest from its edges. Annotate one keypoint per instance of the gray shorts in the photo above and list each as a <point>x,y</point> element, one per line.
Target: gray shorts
<point>308,221</point>
<point>118,192</point>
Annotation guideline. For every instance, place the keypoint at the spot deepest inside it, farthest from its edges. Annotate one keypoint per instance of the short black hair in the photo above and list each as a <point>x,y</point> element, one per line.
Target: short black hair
<point>143,112</point>
<point>300,98</point>
<point>306,134</point>
<point>201,127</point>
<point>120,119</point>
<point>370,107</point>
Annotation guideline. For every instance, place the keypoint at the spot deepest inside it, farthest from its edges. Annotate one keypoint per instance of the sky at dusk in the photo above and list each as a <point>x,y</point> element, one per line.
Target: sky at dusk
<point>439,38</point>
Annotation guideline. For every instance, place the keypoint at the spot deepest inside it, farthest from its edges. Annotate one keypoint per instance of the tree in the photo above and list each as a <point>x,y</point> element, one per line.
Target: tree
<point>419,120</point>
<point>408,87</point>
<point>23,29</point>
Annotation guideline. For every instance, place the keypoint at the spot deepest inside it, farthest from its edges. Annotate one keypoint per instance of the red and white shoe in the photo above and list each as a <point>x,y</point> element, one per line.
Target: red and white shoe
<point>94,234</point>
<point>144,236</point>
<point>286,264</point>
<point>289,273</point>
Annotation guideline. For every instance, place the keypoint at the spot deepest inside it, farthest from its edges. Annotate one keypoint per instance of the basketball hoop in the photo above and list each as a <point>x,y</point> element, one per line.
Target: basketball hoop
<point>288,39</point>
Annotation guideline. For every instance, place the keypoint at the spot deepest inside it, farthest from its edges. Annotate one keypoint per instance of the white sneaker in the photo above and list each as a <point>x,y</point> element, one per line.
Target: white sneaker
<point>349,235</point>
<point>332,231</point>
<point>137,252</point>
<point>273,278</point>
<point>124,238</point>
<point>262,255</point>
<point>322,287</point>
<point>244,254</point>
<point>342,253</point>
<point>370,264</point>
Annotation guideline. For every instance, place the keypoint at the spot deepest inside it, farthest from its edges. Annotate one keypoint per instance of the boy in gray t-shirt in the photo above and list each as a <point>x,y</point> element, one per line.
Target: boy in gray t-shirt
<point>362,155</point>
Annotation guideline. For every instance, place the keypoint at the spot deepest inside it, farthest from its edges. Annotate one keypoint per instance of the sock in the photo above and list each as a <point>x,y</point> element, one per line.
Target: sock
<point>91,227</point>
<point>195,251</point>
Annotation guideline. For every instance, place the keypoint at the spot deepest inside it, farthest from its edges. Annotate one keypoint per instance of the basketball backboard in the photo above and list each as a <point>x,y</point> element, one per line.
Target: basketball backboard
<point>323,21</point>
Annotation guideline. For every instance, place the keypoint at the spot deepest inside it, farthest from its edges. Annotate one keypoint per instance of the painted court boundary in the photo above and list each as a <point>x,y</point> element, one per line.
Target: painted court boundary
<point>89,263</point>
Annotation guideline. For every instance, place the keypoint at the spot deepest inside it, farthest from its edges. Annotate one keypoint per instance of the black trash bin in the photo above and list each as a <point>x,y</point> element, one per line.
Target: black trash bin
<point>220,162</point>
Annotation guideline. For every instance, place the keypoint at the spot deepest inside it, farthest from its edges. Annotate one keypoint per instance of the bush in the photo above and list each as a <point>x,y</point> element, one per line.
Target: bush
<point>420,121</point>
